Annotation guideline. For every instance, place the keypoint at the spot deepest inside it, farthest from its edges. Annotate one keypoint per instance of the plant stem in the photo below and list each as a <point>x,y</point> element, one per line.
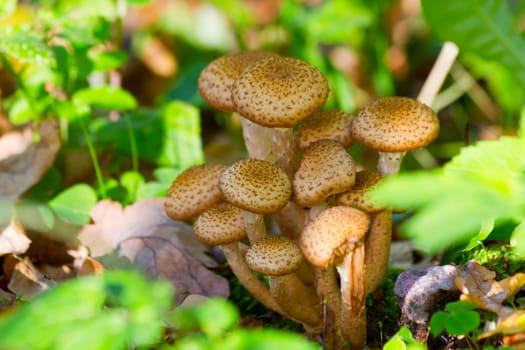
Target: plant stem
<point>94,159</point>
<point>133,145</point>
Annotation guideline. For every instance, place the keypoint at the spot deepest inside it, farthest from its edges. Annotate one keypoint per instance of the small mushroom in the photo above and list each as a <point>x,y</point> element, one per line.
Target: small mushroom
<point>278,258</point>
<point>223,225</point>
<point>258,187</point>
<point>392,126</point>
<point>377,245</point>
<point>329,124</point>
<point>326,169</point>
<point>336,236</point>
<point>193,191</point>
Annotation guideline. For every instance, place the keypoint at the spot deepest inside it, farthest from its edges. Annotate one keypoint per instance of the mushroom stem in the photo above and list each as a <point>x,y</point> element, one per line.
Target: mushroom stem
<point>389,162</point>
<point>291,220</point>
<point>328,292</point>
<point>353,295</point>
<point>297,300</point>
<point>257,140</point>
<point>377,248</point>
<point>246,277</point>
<point>285,152</point>
<point>255,227</point>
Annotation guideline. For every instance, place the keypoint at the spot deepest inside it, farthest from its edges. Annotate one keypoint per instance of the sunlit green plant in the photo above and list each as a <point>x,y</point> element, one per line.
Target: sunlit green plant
<point>124,310</point>
<point>479,188</point>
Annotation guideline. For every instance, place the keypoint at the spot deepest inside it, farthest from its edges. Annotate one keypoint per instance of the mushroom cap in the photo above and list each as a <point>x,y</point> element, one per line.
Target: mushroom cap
<point>279,91</point>
<point>221,224</point>
<point>356,197</point>
<point>326,168</point>
<point>395,124</point>
<point>193,191</point>
<point>274,256</point>
<point>330,124</point>
<point>326,236</point>
<point>216,80</point>
<point>256,185</point>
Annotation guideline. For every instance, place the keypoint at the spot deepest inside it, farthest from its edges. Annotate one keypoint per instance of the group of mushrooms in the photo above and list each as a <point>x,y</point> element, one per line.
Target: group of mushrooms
<point>296,209</point>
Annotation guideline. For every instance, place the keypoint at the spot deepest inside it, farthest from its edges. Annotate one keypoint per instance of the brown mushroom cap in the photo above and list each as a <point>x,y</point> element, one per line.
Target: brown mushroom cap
<point>279,91</point>
<point>331,124</point>
<point>221,224</point>
<point>256,186</point>
<point>395,124</point>
<point>326,168</point>
<point>274,256</point>
<point>325,237</point>
<point>365,180</point>
<point>216,80</point>
<point>193,191</point>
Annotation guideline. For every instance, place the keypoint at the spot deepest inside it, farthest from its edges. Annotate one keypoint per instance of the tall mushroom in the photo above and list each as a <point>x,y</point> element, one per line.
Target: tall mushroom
<point>258,187</point>
<point>278,258</point>
<point>278,92</point>
<point>215,86</point>
<point>392,126</point>
<point>336,236</point>
<point>223,225</point>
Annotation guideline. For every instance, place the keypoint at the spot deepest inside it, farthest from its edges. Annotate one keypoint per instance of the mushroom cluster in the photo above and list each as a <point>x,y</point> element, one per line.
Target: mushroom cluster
<point>329,245</point>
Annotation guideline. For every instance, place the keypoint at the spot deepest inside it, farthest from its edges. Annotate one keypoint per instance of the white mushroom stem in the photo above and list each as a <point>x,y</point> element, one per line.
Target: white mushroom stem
<point>246,277</point>
<point>257,139</point>
<point>255,227</point>
<point>353,295</point>
<point>377,248</point>
<point>389,162</point>
<point>298,301</point>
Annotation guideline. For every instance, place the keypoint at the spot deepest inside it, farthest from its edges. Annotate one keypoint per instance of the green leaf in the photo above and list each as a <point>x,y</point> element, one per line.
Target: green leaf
<point>35,215</point>
<point>481,27</point>
<point>107,97</point>
<point>73,204</point>
<point>486,228</point>
<point>517,240</point>
<point>152,189</point>
<point>24,45</point>
<point>104,61</point>
<point>438,323</point>
<point>131,181</point>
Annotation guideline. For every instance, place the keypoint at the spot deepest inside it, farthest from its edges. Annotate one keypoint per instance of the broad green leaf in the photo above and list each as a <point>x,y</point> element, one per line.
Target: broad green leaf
<point>517,240</point>
<point>35,215</point>
<point>107,97</point>
<point>131,181</point>
<point>152,189</point>
<point>104,61</point>
<point>265,339</point>
<point>462,322</point>
<point>481,27</point>
<point>438,322</point>
<point>486,228</point>
<point>166,174</point>
<point>24,45</point>
<point>73,204</point>
<point>170,137</point>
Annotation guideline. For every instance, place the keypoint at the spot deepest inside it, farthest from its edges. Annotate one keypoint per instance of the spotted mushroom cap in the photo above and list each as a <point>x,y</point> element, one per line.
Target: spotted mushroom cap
<point>326,168</point>
<point>256,186</point>
<point>324,239</point>
<point>330,124</point>
<point>274,256</point>
<point>395,124</point>
<point>216,80</point>
<point>193,191</point>
<point>279,91</point>
<point>221,224</point>
<point>365,180</point>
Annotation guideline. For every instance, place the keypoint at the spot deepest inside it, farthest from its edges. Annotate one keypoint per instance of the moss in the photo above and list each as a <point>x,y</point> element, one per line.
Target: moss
<point>383,311</point>
<point>498,257</point>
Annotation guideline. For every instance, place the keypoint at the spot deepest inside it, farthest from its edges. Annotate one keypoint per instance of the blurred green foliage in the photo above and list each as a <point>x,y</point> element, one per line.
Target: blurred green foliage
<point>123,310</point>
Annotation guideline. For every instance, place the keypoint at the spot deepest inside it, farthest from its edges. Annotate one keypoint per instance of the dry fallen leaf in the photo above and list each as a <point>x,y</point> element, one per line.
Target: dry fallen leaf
<point>22,161</point>
<point>13,240</point>
<point>511,324</point>
<point>6,300</point>
<point>144,235</point>
<point>479,286</point>
<point>27,281</point>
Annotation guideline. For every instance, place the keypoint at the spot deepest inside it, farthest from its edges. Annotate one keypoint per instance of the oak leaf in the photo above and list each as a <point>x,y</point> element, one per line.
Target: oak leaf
<point>143,235</point>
